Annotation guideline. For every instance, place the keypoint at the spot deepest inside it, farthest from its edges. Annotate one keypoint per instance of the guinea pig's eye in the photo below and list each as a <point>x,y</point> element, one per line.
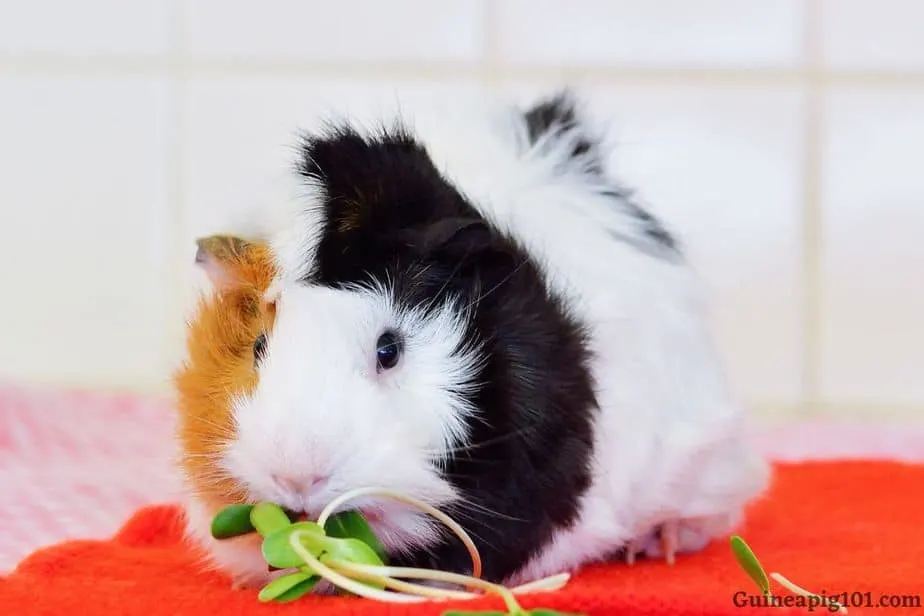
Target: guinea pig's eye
<point>259,347</point>
<point>387,351</point>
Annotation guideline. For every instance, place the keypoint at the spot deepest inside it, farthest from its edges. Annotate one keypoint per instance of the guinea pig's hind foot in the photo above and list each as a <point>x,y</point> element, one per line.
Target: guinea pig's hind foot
<point>667,540</point>
<point>640,545</point>
<point>670,541</point>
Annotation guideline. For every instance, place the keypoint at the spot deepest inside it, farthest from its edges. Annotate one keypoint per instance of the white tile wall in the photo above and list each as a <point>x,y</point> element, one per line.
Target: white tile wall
<point>85,228</point>
<point>873,35</point>
<point>85,28</point>
<point>126,133</point>
<point>320,31</point>
<point>647,33</point>
<point>873,276</point>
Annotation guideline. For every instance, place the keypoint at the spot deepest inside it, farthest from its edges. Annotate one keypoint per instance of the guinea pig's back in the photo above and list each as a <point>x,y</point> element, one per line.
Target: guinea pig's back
<point>539,175</point>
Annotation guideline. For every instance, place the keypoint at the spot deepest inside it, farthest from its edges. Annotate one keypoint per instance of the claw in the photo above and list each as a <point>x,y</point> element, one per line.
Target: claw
<point>243,582</point>
<point>251,581</point>
<point>670,540</point>
<point>632,549</point>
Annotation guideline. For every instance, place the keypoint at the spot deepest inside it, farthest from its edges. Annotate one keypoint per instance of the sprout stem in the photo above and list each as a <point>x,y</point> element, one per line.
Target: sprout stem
<point>344,582</point>
<point>410,500</point>
<point>385,575</point>
<point>418,589</point>
<point>436,576</point>
<point>553,582</point>
<point>791,587</point>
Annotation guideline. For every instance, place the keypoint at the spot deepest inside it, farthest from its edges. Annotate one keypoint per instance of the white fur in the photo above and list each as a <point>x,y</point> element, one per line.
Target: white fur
<point>669,442</point>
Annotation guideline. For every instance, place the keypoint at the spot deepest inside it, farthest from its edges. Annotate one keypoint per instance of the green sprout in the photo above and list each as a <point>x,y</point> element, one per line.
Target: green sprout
<point>748,561</point>
<point>342,549</point>
<point>232,521</point>
<point>750,564</point>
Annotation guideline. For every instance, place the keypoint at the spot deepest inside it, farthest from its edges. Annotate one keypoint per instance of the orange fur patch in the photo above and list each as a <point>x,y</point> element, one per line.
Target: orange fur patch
<point>220,366</point>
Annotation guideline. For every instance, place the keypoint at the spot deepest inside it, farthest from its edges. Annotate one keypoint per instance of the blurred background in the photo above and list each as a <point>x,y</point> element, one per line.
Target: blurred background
<point>782,139</point>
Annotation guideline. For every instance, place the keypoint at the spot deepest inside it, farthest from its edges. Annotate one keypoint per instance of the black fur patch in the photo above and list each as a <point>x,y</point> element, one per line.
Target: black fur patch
<point>559,114</point>
<point>392,216</point>
<point>556,115</point>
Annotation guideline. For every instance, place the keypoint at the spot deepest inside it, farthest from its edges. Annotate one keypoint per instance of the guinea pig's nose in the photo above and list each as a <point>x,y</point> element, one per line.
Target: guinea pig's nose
<point>297,484</point>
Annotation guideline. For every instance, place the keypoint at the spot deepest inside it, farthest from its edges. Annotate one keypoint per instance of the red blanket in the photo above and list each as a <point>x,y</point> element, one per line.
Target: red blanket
<point>837,527</point>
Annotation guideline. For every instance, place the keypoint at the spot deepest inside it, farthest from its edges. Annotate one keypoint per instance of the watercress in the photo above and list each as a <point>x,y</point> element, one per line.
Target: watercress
<point>342,549</point>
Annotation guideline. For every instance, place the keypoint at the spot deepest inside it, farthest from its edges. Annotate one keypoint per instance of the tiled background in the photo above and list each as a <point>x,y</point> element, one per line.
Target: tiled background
<point>784,139</point>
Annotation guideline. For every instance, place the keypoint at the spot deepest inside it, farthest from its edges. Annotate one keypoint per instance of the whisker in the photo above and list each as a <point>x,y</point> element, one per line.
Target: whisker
<point>513,272</point>
<point>208,422</point>
<point>469,504</point>
<point>423,271</point>
<point>205,456</point>
<point>474,534</point>
<point>211,441</point>
<point>446,282</point>
<point>209,435</point>
<point>214,474</point>
<point>482,444</point>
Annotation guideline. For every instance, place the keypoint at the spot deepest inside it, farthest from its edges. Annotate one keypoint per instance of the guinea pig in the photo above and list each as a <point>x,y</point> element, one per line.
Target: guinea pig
<point>468,309</point>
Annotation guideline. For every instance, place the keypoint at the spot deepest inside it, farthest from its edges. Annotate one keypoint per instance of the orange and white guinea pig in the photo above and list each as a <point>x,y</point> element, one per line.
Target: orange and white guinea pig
<point>470,309</point>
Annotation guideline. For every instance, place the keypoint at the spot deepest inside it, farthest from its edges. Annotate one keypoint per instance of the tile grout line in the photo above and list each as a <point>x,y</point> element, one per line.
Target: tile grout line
<point>673,75</point>
<point>812,215</point>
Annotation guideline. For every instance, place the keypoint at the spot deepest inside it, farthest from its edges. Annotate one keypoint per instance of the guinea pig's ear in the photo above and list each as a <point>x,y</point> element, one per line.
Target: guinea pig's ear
<point>453,235</point>
<point>220,257</point>
<point>464,242</point>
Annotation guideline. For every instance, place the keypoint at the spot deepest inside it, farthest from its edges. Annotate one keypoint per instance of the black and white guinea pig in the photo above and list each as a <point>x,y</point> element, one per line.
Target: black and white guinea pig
<point>474,313</point>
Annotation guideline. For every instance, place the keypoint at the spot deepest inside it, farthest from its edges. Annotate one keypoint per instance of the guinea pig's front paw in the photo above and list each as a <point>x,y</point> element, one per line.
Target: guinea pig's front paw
<point>249,580</point>
<point>324,587</point>
<point>256,581</point>
<point>252,581</point>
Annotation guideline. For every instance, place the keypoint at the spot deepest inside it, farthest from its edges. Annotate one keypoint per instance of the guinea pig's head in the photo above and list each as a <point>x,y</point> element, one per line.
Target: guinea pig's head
<point>361,370</point>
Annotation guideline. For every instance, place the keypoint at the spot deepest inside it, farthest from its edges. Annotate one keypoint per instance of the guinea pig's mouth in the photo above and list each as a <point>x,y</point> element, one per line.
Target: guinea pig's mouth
<point>296,515</point>
<point>372,514</point>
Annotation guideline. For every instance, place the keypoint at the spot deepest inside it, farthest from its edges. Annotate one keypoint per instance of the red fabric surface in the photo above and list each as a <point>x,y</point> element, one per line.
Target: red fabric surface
<point>849,526</point>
